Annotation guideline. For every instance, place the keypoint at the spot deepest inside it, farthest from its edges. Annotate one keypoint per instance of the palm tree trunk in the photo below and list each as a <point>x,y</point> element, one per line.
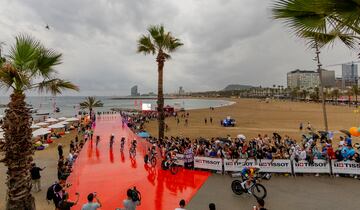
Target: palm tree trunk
<point>161,115</point>
<point>18,150</point>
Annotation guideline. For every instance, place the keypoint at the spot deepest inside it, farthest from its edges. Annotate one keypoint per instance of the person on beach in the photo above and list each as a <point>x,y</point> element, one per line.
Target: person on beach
<point>301,126</point>
<point>97,140</point>
<point>205,120</point>
<point>112,138</point>
<point>211,119</point>
<point>66,204</point>
<point>60,150</point>
<point>35,177</point>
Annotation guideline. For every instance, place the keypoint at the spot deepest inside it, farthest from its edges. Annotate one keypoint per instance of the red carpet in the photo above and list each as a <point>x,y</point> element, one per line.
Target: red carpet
<point>110,173</point>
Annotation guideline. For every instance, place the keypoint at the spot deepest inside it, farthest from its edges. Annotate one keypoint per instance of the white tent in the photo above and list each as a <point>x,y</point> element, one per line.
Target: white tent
<point>56,126</point>
<point>51,120</point>
<point>72,119</point>
<point>62,118</point>
<point>40,132</point>
<point>42,124</point>
<point>33,126</point>
<point>1,116</point>
<point>1,130</point>
<point>63,123</point>
<point>1,135</point>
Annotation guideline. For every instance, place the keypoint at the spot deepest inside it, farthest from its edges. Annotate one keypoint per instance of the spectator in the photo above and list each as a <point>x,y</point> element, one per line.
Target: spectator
<point>91,205</point>
<point>35,177</point>
<point>60,150</point>
<point>128,203</point>
<point>182,205</point>
<point>66,204</point>
<point>260,205</point>
<point>212,206</point>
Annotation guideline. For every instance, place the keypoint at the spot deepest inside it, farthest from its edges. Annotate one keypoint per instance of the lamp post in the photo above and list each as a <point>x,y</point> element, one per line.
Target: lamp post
<point>321,85</point>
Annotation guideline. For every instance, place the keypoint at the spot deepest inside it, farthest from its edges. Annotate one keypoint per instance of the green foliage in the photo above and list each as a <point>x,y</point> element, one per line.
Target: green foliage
<point>91,102</point>
<point>321,21</point>
<point>158,41</point>
<point>31,66</point>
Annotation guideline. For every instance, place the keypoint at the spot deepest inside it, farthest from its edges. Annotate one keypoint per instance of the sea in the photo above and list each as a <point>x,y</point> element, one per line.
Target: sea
<point>69,105</point>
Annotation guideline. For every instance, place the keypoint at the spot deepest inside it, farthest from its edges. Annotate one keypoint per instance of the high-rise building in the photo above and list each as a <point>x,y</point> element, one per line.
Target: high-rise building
<point>302,79</point>
<point>350,75</point>
<point>181,91</point>
<point>305,80</point>
<point>134,91</point>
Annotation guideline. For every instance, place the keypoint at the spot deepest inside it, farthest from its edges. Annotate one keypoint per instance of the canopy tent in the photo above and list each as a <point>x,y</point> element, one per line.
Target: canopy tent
<point>40,132</point>
<point>42,124</point>
<point>56,126</point>
<point>72,119</point>
<point>34,126</point>
<point>51,120</point>
<point>144,134</point>
<point>62,118</point>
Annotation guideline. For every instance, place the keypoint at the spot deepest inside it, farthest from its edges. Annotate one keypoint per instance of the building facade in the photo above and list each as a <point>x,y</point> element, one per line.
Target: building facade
<point>350,75</point>
<point>134,91</point>
<point>302,79</point>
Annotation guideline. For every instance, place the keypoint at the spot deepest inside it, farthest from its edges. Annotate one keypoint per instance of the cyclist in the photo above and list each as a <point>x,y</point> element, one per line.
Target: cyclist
<point>112,137</point>
<point>97,140</point>
<point>169,157</point>
<point>248,173</point>
<point>122,143</point>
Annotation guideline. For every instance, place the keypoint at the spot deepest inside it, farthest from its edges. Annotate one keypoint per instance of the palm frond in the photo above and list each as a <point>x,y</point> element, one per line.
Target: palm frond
<point>45,63</point>
<point>145,45</point>
<point>25,52</point>
<point>55,86</point>
<point>10,77</point>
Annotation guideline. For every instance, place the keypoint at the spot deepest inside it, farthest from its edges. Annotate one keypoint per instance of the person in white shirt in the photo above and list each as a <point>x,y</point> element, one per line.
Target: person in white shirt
<point>182,205</point>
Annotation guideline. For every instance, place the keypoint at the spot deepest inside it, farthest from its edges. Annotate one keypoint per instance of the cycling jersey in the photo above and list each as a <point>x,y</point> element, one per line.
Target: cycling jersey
<point>248,171</point>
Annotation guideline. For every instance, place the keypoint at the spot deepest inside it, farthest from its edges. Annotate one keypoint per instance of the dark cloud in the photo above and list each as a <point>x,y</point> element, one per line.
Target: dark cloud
<point>226,41</point>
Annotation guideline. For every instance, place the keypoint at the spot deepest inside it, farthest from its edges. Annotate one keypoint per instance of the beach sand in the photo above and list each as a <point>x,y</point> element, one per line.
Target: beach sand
<point>255,117</point>
<point>46,158</point>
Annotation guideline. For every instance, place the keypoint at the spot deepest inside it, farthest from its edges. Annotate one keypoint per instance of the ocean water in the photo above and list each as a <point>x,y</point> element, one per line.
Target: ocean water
<point>69,105</point>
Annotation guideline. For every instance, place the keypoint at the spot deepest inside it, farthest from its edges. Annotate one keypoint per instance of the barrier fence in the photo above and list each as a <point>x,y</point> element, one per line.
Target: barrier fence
<point>276,166</point>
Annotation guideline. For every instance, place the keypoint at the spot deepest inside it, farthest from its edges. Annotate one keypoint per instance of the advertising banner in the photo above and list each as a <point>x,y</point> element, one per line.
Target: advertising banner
<point>180,159</point>
<point>345,167</point>
<point>237,165</point>
<point>319,166</point>
<point>208,163</point>
<point>275,166</point>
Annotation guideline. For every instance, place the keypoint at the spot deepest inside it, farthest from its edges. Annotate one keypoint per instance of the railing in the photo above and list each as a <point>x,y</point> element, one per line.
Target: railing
<point>276,166</point>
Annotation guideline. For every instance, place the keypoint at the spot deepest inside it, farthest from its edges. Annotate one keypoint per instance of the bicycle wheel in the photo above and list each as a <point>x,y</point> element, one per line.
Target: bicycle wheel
<point>236,187</point>
<point>259,191</point>
<point>174,169</point>
<point>153,161</point>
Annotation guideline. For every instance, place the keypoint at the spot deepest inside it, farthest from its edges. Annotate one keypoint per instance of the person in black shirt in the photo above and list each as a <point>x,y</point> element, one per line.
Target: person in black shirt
<point>35,177</point>
<point>60,150</point>
<point>261,204</point>
<point>66,204</point>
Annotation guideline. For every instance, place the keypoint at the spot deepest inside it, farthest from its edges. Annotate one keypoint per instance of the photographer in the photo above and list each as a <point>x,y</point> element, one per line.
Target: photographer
<point>133,199</point>
<point>90,205</point>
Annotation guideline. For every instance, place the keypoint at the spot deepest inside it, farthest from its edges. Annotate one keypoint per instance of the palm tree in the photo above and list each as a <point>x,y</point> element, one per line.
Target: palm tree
<point>29,66</point>
<point>336,94</point>
<point>90,103</point>
<point>349,93</point>
<point>321,22</point>
<point>355,90</point>
<point>161,43</point>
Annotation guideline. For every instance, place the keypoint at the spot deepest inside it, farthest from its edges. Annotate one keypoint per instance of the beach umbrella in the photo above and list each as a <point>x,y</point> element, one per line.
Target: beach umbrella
<point>1,116</point>
<point>241,136</point>
<point>1,135</point>
<point>42,124</point>
<point>33,126</point>
<point>62,118</point>
<point>57,126</point>
<point>51,120</point>
<point>72,119</point>
<point>144,134</point>
<point>40,132</point>
<point>63,123</point>
<point>1,130</point>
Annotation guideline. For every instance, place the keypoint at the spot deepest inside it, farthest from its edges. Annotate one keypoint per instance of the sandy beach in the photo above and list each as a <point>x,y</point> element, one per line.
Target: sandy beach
<point>255,117</point>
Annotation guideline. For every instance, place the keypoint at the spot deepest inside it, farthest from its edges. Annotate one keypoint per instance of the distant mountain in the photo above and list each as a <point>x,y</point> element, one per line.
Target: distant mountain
<point>237,87</point>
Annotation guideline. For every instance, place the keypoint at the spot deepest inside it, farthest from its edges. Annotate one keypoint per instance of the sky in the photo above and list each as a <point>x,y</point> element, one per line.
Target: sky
<point>225,42</point>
